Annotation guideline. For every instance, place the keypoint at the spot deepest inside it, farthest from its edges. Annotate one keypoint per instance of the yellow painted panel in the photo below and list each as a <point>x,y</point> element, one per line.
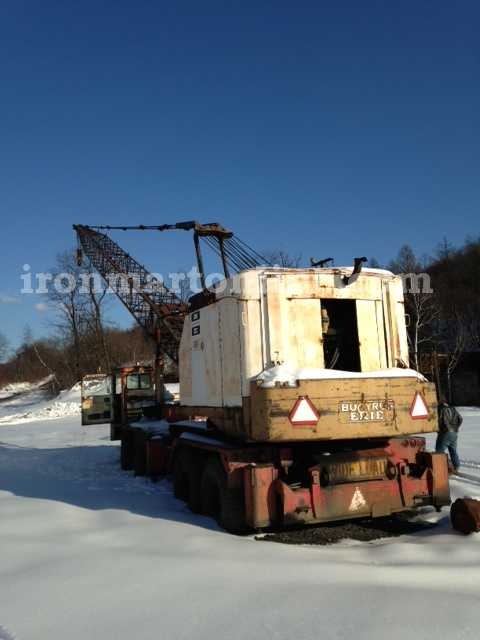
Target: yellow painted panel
<point>305,333</point>
<point>370,358</point>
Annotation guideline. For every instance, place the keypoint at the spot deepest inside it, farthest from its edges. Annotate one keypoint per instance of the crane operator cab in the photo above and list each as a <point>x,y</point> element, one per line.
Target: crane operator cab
<point>125,395</point>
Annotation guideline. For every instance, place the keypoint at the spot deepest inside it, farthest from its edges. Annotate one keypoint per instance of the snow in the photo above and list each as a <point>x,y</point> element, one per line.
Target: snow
<point>89,551</point>
<point>100,385</point>
<point>152,426</point>
<point>347,268</point>
<point>197,424</point>
<point>380,272</point>
<point>172,392</point>
<point>285,374</point>
<point>35,403</point>
<point>5,635</point>
<point>468,438</point>
<point>162,426</point>
<point>16,388</point>
<point>195,437</point>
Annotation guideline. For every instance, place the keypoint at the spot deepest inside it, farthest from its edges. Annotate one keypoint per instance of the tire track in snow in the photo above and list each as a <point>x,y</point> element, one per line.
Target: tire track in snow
<point>6,635</point>
<point>470,464</point>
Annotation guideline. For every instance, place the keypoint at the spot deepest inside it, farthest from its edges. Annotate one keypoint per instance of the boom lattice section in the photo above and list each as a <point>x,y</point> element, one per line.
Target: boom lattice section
<point>155,307</point>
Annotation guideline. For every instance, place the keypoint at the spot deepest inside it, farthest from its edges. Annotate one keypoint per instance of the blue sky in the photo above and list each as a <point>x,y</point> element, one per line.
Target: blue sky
<point>337,129</point>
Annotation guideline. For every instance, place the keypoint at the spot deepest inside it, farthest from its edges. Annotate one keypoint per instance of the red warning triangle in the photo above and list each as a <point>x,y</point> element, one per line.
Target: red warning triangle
<point>419,409</point>
<point>303,413</point>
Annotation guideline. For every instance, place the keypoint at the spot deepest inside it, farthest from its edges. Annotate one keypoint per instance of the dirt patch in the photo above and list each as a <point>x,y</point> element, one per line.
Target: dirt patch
<point>362,530</point>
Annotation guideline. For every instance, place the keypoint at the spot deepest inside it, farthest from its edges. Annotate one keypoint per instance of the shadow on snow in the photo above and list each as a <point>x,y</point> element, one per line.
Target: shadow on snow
<point>89,477</point>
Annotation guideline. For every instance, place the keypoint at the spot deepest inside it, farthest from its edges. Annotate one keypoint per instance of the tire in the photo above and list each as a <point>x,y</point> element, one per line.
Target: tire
<point>187,472</point>
<point>220,502</point>
<point>180,487</point>
<point>126,450</point>
<point>140,452</point>
<point>115,432</point>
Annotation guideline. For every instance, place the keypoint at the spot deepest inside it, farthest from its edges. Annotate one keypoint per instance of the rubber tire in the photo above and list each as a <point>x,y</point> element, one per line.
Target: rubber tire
<point>187,473</point>
<point>180,486</point>
<point>126,450</point>
<point>140,452</point>
<point>225,505</point>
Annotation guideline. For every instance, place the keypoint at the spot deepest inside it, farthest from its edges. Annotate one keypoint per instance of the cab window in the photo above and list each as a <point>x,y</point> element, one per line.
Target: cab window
<point>145,381</point>
<point>139,381</point>
<point>132,381</point>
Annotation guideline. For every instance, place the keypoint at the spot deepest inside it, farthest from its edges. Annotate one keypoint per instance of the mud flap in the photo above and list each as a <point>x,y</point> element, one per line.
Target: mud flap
<point>260,495</point>
<point>438,478</point>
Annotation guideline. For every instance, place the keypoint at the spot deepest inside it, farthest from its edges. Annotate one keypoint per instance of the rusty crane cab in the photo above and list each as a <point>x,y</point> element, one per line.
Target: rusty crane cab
<point>121,397</point>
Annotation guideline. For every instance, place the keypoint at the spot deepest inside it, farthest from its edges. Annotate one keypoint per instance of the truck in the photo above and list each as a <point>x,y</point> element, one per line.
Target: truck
<point>296,404</point>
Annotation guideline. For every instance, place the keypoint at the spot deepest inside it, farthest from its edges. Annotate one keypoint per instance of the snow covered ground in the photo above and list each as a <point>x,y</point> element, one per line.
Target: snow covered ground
<point>90,552</point>
<point>26,402</point>
<point>17,388</point>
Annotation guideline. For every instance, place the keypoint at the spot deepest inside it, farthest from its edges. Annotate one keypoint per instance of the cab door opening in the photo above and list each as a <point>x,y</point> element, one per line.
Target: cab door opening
<point>340,335</point>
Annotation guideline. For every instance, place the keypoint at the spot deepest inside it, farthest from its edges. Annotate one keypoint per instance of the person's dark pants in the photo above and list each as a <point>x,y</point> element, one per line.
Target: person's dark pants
<point>448,440</point>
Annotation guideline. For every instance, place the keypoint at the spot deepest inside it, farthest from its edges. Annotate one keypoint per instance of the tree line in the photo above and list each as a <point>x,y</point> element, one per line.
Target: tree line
<point>81,340</point>
<point>443,313</point>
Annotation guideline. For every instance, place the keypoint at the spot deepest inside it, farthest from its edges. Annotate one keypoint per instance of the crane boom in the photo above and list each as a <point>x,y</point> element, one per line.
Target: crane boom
<point>155,307</point>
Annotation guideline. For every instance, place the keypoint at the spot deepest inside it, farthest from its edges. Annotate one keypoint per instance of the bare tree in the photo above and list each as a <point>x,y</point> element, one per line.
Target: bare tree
<point>70,304</point>
<point>4,347</point>
<point>421,306</point>
<point>445,249</point>
<point>458,343</point>
<point>281,258</point>
<point>423,313</point>
<point>97,299</point>
<point>457,289</point>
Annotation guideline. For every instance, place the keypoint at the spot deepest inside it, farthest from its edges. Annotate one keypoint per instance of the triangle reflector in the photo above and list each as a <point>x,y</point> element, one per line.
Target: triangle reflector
<point>358,501</point>
<point>419,408</point>
<point>303,413</point>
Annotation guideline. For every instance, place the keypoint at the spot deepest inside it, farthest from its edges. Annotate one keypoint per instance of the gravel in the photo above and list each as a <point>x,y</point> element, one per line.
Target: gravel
<point>361,530</point>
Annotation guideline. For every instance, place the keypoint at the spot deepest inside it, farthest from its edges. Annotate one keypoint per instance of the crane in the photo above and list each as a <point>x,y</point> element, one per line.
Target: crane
<point>156,308</point>
<point>316,445</point>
